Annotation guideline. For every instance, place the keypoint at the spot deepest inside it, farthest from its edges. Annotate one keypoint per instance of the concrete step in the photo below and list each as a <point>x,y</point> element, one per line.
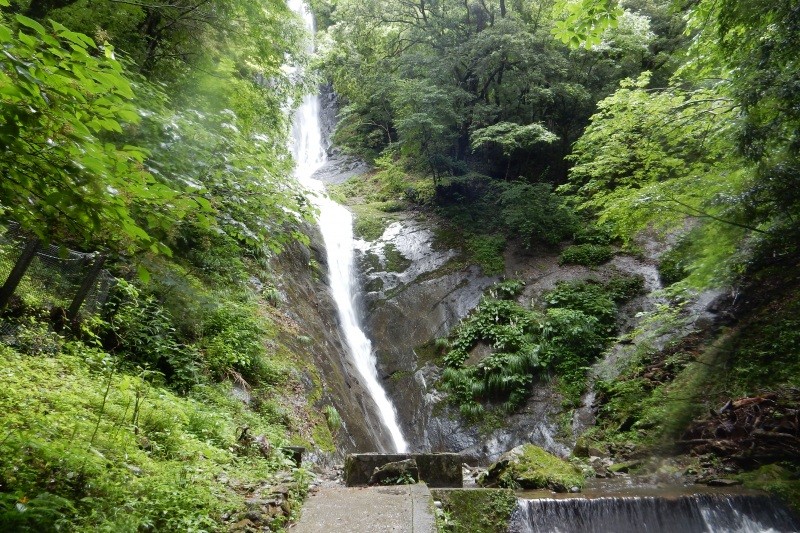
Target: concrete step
<point>400,508</point>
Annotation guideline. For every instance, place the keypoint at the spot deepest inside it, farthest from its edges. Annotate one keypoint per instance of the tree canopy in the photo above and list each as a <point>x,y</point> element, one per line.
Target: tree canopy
<point>453,72</point>
<point>170,120</point>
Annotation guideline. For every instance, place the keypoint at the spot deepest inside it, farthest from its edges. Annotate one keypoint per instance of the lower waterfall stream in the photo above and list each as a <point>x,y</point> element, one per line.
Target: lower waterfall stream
<point>695,513</point>
<point>336,225</point>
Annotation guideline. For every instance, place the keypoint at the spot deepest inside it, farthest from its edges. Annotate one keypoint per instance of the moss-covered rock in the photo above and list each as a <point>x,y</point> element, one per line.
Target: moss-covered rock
<point>783,480</point>
<point>531,467</point>
<point>474,510</point>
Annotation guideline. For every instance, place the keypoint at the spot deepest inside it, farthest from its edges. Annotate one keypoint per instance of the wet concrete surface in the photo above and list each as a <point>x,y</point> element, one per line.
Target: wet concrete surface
<point>396,509</point>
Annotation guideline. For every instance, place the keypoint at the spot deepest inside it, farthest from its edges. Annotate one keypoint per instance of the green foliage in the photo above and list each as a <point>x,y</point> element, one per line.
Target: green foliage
<point>623,288</point>
<point>332,418</point>
<point>534,213</point>
<point>233,340</point>
<point>672,266</point>
<point>63,99</point>
<point>523,344</point>
<point>23,514</point>
<point>765,354</point>
<point>590,298</point>
<point>716,144</point>
<point>654,157</point>
<point>390,173</point>
<point>600,235</point>
<point>508,372</point>
<point>585,21</point>
<point>143,333</point>
<point>511,137</point>
<point>476,205</point>
<point>506,290</point>
<point>574,340</point>
<point>586,254</point>
<point>508,90</point>
<point>35,337</point>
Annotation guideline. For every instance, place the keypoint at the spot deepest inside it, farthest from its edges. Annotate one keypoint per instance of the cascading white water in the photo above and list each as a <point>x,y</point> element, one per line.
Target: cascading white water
<point>699,513</point>
<point>336,224</point>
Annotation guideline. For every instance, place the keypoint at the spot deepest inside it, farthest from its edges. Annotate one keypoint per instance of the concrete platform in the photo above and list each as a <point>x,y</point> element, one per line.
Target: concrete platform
<point>436,470</point>
<point>402,508</point>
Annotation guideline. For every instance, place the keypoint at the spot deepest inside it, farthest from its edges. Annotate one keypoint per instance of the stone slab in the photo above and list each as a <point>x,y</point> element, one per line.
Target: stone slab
<point>398,509</point>
<point>437,470</point>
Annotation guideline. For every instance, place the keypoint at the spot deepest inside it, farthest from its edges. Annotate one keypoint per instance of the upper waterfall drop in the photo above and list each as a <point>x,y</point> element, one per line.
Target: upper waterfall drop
<point>336,225</point>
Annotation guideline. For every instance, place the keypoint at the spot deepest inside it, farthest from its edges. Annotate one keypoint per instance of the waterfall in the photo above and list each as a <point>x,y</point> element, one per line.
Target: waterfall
<point>336,225</point>
<point>699,513</point>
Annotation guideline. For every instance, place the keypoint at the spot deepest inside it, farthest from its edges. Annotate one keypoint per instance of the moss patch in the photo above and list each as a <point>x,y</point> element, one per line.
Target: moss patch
<point>395,261</point>
<point>474,511</point>
<point>369,222</point>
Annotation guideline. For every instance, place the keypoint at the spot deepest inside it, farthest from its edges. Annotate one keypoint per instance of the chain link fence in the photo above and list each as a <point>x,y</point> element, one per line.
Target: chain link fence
<point>57,279</point>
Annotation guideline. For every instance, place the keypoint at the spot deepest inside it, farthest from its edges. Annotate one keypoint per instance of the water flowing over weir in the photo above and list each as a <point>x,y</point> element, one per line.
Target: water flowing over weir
<point>336,225</point>
<point>698,513</point>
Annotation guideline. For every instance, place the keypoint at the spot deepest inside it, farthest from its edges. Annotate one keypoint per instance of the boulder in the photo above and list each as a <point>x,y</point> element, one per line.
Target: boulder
<point>723,482</point>
<point>398,473</point>
<point>531,467</point>
<point>625,467</point>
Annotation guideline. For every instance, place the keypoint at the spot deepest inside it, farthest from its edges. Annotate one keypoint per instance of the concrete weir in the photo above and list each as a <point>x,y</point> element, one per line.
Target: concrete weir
<point>436,470</point>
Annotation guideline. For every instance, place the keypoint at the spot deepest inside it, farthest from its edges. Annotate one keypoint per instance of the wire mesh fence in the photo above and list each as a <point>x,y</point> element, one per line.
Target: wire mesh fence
<point>56,280</point>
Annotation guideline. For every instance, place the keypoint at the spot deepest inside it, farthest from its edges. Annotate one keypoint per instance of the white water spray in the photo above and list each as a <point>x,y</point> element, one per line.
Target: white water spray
<point>336,225</point>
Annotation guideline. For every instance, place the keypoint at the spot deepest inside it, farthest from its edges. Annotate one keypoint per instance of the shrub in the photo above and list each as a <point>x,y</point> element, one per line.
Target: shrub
<point>233,340</point>
<point>586,254</point>
<point>573,341</point>
<point>589,297</point>
<point>623,288</point>
<point>141,331</point>
<point>390,174</point>
<point>421,193</point>
<point>333,418</point>
<point>673,267</point>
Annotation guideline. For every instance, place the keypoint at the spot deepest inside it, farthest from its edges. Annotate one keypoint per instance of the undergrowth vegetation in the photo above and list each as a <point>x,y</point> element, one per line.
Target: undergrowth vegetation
<point>132,419</point>
<point>86,446</point>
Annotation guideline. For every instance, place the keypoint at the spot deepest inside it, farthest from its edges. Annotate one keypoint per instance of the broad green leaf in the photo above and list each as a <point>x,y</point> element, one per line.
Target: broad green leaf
<point>30,23</point>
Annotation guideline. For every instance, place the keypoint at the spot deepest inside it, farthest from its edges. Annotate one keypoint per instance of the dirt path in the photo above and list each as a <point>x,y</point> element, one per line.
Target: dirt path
<point>405,508</point>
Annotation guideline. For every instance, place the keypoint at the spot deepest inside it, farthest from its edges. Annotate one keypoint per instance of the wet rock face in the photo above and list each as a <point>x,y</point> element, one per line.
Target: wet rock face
<point>414,293</point>
<point>339,166</point>
<point>309,304</point>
